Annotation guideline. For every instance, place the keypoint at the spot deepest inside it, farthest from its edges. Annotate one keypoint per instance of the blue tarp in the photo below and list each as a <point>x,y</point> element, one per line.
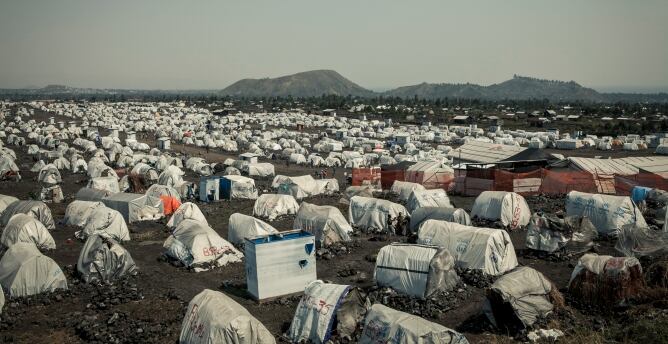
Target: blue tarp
<point>639,193</point>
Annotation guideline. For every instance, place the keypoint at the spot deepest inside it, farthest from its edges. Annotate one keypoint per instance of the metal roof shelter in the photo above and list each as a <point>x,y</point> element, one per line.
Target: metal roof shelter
<point>484,152</point>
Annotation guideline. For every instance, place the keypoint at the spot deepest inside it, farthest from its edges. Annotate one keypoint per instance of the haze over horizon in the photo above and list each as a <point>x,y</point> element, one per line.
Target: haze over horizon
<point>608,45</point>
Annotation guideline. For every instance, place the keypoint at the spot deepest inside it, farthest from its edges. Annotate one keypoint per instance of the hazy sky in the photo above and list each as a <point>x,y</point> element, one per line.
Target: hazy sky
<point>605,44</point>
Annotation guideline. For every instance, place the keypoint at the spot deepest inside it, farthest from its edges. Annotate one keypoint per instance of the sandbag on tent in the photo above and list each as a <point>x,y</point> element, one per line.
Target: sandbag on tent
<point>78,212</point>
<point>271,206</point>
<point>342,306</point>
<point>36,209</point>
<point>213,317</point>
<point>187,211</point>
<point>517,299</point>
<point>102,259</point>
<point>199,247</point>
<point>238,187</point>
<point>415,270</point>
<point>508,207</point>
<point>607,213</point>
<point>404,189</point>
<point>135,207</point>
<point>91,195</point>
<point>605,280</point>
<point>105,220</point>
<point>550,234</point>
<point>373,214</point>
<point>485,249</point>
<point>386,325</point>
<point>262,170</point>
<point>428,198</point>
<point>25,271</point>
<point>25,228</point>
<point>422,214</point>
<point>104,183</point>
<point>6,201</point>
<point>170,198</point>
<point>352,191</point>
<point>243,226</point>
<point>325,222</point>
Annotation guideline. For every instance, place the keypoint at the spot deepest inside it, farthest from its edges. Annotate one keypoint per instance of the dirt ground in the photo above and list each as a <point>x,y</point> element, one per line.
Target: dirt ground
<point>150,307</point>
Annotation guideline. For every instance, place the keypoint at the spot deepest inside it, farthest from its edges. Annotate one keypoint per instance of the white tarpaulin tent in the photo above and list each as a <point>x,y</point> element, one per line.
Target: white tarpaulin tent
<point>386,325</point>
<point>415,270</point>
<point>104,183</point>
<point>78,212</point>
<point>238,187</point>
<point>91,195</point>
<point>36,209</point>
<point>311,323</point>
<point>298,187</point>
<point>325,222</point>
<point>271,206</point>
<point>25,228</point>
<point>135,207</point>
<point>102,259</point>
<point>213,317</point>
<point>485,249</point>
<point>242,226</point>
<point>25,271</point>
<point>198,246</point>
<point>372,214</point>
<point>6,201</point>
<point>423,214</point>
<point>526,291</point>
<point>104,220</point>
<point>263,169</point>
<point>608,213</point>
<point>404,189</point>
<point>428,198</point>
<point>508,207</point>
<point>187,211</point>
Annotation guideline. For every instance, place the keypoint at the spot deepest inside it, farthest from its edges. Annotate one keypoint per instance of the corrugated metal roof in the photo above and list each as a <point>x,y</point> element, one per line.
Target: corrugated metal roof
<point>484,152</point>
<point>654,164</point>
<point>604,167</point>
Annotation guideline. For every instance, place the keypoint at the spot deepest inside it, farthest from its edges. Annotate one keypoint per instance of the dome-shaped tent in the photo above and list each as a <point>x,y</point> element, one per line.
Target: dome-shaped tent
<point>199,247</point>
<point>36,209</point>
<point>103,259</point>
<point>105,220</point>
<point>25,271</point>
<point>213,317</point>
<point>187,211</point>
<point>508,207</point>
<point>25,228</point>
<point>243,226</point>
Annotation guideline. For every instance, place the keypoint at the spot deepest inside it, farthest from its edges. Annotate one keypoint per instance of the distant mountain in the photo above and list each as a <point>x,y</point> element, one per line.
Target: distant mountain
<point>318,82</point>
<point>518,88</point>
<point>306,84</point>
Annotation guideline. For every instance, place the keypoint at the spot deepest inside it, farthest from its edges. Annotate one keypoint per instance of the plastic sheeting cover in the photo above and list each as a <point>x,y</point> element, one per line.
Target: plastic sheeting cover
<point>24,271</point>
<point>213,317</point>
<point>386,325</point>
<point>25,228</point>
<point>103,259</point>
<point>486,249</point>
<point>243,226</point>
<point>316,312</point>
<point>325,222</point>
